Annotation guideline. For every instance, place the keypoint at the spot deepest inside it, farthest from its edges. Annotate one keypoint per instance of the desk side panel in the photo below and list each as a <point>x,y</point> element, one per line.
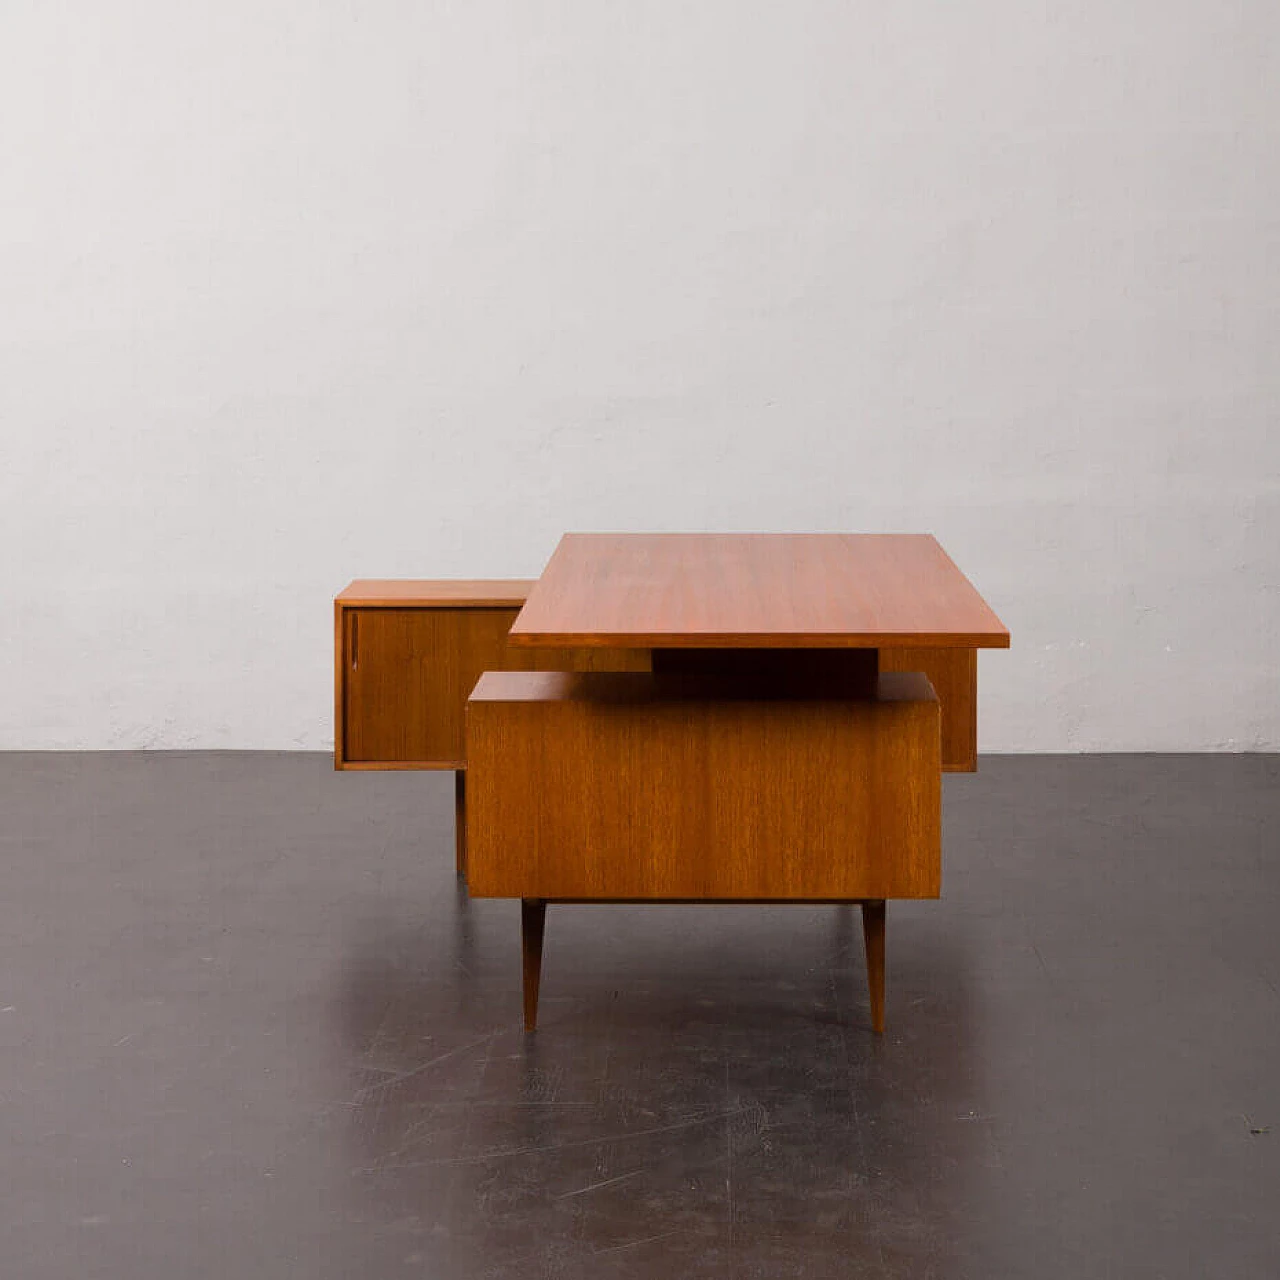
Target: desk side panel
<point>954,674</point>
<point>703,799</point>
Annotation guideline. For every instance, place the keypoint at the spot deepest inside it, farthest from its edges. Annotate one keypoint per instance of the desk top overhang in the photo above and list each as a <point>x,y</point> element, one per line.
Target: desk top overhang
<point>755,591</point>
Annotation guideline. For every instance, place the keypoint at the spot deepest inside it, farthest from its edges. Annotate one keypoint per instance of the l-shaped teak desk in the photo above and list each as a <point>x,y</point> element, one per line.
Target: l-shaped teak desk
<point>681,718</point>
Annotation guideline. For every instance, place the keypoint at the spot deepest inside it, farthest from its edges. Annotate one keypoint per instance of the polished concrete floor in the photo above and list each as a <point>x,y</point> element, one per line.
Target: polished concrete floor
<point>249,1027</point>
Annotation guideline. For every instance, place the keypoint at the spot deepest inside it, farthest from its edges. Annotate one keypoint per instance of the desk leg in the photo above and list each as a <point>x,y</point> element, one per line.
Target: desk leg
<point>873,935</point>
<point>460,821</point>
<point>533,917</point>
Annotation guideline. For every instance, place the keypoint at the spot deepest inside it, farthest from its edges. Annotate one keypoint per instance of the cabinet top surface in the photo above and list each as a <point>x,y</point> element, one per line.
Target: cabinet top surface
<point>755,590</point>
<point>427,593</point>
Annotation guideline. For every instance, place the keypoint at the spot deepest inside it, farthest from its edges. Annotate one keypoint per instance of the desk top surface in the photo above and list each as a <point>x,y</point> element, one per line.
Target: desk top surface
<point>755,590</point>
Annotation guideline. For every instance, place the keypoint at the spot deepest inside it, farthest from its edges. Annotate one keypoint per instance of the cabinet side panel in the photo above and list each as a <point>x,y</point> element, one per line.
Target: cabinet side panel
<point>339,687</point>
<point>408,679</point>
<point>954,675</point>
<point>402,677</point>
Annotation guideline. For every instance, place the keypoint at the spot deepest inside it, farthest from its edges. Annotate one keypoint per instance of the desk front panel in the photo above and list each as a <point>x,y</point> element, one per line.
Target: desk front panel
<point>617,787</point>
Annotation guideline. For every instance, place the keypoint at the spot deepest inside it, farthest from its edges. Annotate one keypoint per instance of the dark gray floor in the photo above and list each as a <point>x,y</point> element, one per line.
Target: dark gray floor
<point>249,1028</point>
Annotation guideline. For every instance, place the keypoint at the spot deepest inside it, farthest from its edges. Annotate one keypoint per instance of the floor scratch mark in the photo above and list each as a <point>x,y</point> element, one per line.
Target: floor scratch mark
<point>426,1066</point>
<point>508,1152</point>
<point>635,1244</point>
<point>595,1186</point>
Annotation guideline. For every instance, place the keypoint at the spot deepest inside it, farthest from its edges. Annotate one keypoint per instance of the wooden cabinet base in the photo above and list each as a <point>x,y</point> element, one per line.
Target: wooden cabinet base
<point>405,662</point>
<point>649,788</point>
<point>639,786</point>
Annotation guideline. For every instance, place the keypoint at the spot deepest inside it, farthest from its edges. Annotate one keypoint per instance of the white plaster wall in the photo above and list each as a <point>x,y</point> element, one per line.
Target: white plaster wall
<point>296,292</point>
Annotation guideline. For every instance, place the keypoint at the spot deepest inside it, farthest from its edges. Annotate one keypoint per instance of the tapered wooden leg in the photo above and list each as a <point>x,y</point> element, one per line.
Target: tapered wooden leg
<point>460,820</point>
<point>533,917</point>
<point>873,936</point>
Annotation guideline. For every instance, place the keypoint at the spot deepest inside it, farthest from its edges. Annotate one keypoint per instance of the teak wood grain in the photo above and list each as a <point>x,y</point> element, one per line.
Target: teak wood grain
<point>426,593</point>
<point>406,677</point>
<point>954,676</point>
<point>408,653</point>
<point>755,591</point>
<point>428,735</point>
<point>633,786</point>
